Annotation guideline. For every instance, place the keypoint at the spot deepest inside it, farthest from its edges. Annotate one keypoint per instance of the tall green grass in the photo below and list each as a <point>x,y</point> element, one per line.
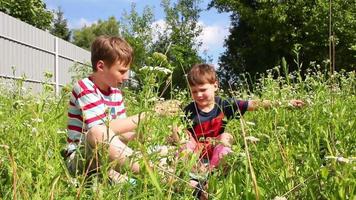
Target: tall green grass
<point>306,153</point>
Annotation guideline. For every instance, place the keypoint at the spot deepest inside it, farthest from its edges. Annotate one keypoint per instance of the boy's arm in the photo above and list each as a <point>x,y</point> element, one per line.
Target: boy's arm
<point>257,104</point>
<point>130,123</point>
<point>126,124</point>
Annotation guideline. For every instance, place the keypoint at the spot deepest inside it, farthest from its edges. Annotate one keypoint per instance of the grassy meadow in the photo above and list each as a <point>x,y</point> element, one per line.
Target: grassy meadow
<point>280,153</point>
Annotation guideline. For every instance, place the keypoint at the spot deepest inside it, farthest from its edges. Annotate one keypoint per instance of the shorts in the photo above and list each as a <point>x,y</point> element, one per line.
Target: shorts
<point>81,160</point>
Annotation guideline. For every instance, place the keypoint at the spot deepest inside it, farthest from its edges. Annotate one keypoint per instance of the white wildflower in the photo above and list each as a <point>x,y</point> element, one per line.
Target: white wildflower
<point>252,139</point>
<point>59,131</point>
<point>34,130</point>
<point>37,120</point>
<point>153,99</point>
<point>4,146</point>
<point>74,182</point>
<point>279,198</point>
<point>27,124</point>
<point>341,159</point>
<point>146,68</point>
<point>160,69</point>
<point>250,123</point>
<point>50,153</point>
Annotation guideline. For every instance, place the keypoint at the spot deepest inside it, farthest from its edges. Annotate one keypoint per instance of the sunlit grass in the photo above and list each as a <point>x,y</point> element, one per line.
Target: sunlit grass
<point>305,153</point>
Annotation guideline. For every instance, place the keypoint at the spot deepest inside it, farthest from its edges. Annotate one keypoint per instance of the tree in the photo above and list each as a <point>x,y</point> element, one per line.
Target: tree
<point>59,26</point>
<point>180,37</point>
<point>85,36</point>
<point>137,30</point>
<point>32,12</point>
<point>263,32</point>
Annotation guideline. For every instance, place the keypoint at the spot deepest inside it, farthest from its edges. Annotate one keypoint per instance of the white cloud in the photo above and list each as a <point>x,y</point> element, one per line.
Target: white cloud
<point>212,36</point>
<point>75,24</point>
<point>157,28</point>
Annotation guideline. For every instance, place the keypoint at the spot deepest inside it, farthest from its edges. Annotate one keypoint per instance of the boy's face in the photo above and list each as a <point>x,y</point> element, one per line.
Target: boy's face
<point>115,74</point>
<point>204,95</point>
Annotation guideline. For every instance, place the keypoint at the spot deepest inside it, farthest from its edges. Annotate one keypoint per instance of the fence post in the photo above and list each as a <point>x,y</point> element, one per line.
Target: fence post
<point>56,74</point>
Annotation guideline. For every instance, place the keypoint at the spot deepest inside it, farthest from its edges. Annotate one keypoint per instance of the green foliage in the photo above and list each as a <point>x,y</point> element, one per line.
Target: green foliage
<point>154,76</point>
<point>265,31</point>
<point>59,26</point>
<point>85,36</point>
<point>176,40</point>
<point>33,12</point>
<point>179,39</point>
<point>300,154</point>
<point>79,71</point>
<point>137,31</point>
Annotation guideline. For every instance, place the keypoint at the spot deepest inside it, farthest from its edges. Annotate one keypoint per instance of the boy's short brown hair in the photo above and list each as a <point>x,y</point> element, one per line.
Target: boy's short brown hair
<point>201,74</point>
<point>110,49</point>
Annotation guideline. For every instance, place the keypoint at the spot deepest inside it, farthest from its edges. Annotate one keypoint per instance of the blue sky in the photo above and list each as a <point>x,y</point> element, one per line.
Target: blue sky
<point>85,12</point>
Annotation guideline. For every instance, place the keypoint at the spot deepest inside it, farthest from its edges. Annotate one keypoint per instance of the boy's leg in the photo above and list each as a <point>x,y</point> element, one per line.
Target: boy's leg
<point>219,152</point>
<point>118,151</point>
<point>221,149</point>
<point>189,147</point>
<point>78,161</point>
<point>126,137</point>
<point>226,139</point>
<point>75,164</point>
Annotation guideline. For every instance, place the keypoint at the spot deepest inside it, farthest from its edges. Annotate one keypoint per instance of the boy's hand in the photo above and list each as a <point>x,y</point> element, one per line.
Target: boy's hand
<point>296,103</point>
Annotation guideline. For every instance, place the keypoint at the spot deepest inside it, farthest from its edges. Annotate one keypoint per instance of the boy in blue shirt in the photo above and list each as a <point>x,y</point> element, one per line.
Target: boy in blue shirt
<point>207,116</point>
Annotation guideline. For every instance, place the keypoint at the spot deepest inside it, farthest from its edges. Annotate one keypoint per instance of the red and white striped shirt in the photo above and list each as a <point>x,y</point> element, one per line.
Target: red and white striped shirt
<point>89,106</point>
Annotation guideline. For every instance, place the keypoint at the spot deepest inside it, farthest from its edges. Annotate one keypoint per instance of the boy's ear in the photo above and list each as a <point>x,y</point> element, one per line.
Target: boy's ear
<point>100,65</point>
<point>216,85</point>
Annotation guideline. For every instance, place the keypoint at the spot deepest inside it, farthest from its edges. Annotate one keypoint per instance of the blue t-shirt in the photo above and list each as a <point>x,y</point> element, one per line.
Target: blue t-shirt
<point>212,124</point>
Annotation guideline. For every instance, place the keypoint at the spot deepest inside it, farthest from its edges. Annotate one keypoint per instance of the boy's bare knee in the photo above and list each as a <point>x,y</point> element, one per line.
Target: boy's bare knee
<point>227,135</point>
<point>96,135</point>
<point>226,139</point>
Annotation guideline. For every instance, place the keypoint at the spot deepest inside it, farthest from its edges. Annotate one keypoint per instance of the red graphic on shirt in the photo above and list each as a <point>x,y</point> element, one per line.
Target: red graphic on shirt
<point>210,128</point>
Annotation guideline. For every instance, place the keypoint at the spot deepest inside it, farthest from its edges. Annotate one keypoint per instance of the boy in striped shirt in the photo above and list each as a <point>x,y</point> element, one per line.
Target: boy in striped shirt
<point>96,113</point>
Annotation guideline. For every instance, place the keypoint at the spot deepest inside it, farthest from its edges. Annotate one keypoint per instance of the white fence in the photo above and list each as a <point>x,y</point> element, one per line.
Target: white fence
<point>32,52</point>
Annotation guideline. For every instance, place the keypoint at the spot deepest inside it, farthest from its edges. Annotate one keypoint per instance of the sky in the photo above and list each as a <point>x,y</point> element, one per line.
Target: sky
<point>85,12</point>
